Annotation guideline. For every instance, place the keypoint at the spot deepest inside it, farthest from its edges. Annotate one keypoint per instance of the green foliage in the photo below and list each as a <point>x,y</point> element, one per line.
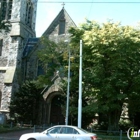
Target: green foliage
<point>110,66</point>
<point>110,77</point>
<point>125,124</point>
<point>24,107</point>
<point>53,58</point>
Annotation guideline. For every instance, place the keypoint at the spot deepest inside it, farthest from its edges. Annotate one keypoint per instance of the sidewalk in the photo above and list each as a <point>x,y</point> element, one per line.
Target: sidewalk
<point>14,135</point>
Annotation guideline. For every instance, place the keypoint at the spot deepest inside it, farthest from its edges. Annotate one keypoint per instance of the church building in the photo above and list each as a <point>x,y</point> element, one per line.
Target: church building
<point>18,51</point>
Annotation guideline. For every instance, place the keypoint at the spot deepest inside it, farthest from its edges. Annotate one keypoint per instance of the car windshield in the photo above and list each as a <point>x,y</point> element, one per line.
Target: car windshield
<point>52,130</point>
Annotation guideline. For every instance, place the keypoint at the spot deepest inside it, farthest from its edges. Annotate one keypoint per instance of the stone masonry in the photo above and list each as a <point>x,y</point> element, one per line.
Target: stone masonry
<point>13,42</point>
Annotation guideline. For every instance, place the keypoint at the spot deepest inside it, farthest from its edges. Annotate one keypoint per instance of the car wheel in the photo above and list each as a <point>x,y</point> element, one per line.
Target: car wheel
<point>31,139</point>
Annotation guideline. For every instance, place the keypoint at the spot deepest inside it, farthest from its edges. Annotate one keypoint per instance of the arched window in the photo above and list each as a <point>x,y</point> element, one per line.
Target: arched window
<point>29,13</point>
<point>62,26</point>
<point>1,44</point>
<point>3,9</point>
<point>6,9</point>
<point>40,70</point>
<point>9,11</point>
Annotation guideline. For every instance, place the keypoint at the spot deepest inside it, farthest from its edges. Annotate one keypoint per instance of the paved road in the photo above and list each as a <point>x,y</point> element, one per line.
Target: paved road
<point>14,135</point>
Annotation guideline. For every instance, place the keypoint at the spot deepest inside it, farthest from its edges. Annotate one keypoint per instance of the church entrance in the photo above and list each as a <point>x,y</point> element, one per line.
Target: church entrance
<point>56,115</point>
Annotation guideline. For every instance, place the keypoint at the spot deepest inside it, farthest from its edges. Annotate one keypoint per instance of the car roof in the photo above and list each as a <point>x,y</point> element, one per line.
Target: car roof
<point>65,126</point>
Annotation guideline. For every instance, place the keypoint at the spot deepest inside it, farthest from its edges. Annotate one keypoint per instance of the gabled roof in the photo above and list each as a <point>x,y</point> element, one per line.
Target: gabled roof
<point>63,15</point>
<point>53,29</point>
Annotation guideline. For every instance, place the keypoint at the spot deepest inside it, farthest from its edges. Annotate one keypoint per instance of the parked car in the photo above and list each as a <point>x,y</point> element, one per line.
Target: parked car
<point>61,132</point>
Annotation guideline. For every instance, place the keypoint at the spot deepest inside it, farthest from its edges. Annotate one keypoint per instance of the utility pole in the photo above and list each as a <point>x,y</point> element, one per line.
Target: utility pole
<point>68,86</point>
<point>80,89</point>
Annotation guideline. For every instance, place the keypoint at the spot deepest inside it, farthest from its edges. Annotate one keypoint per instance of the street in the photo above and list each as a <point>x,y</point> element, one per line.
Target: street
<point>14,135</point>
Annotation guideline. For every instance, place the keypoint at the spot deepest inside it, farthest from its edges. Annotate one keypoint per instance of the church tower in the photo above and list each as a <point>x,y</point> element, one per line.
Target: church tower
<point>22,16</point>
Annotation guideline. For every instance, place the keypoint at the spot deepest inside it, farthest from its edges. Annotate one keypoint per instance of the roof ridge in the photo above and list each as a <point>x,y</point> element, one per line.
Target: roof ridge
<point>56,21</point>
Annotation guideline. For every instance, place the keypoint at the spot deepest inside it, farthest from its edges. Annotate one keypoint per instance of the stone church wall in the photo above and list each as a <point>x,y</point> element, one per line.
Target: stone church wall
<point>12,51</point>
<point>11,58</point>
<point>16,10</point>
<point>32,67</point>
<point>52,33</point>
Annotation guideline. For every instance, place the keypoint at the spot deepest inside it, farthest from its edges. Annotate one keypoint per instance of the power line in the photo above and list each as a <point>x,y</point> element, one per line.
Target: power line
<point>90,8</point>
<point>102,2</point>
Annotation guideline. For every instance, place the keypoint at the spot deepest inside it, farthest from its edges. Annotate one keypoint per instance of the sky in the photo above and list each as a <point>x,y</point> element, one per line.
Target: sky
<point>125,11</point>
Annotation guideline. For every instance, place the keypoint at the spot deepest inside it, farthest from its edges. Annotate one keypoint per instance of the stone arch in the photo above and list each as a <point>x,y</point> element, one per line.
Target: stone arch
<point>53,111</point>
<point>54,88</point>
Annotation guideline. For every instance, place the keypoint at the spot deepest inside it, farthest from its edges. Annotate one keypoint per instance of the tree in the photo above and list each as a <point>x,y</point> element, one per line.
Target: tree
<point>110,69</point>
<point>110,66</point>
<point>26,103</point>
<point>52,59</point>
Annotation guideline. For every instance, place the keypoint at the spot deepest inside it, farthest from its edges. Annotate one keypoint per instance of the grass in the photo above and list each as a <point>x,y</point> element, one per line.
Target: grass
<point>104,137</point>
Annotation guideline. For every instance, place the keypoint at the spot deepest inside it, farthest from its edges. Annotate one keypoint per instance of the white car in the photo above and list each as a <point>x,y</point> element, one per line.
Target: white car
<point>60,132</point>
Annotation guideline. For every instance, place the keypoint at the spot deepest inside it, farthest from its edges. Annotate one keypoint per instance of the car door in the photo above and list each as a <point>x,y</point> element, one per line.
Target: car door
<point>74,134</point>
<point>68,133</point>
<point>79,136</point>
<point>64,134</point>
<point>51,134</point>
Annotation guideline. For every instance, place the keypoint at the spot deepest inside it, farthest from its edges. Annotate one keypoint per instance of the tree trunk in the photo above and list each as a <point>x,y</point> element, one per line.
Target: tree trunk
<point>113,120</point>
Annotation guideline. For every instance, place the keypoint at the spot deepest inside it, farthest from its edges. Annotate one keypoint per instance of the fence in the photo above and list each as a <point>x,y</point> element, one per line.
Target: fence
<point>110,135</point>
<point>102,134</point>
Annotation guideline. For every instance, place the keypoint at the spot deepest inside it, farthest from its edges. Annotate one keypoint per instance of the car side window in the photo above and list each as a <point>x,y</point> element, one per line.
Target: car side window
<point>68,130</point>
<point>63,130</point>
<point>75,131</point>
<point>54,130</point>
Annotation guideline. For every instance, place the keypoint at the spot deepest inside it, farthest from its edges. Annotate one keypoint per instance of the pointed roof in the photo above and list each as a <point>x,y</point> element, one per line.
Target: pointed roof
<point>64,18</point>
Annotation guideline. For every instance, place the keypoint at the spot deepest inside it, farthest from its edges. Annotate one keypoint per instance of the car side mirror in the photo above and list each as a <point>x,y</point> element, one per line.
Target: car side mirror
<point>47,133</point>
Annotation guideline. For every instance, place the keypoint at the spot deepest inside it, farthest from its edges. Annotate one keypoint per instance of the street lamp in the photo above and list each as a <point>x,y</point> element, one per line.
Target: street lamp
<point>68,86</point>
<point>80,89</point>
